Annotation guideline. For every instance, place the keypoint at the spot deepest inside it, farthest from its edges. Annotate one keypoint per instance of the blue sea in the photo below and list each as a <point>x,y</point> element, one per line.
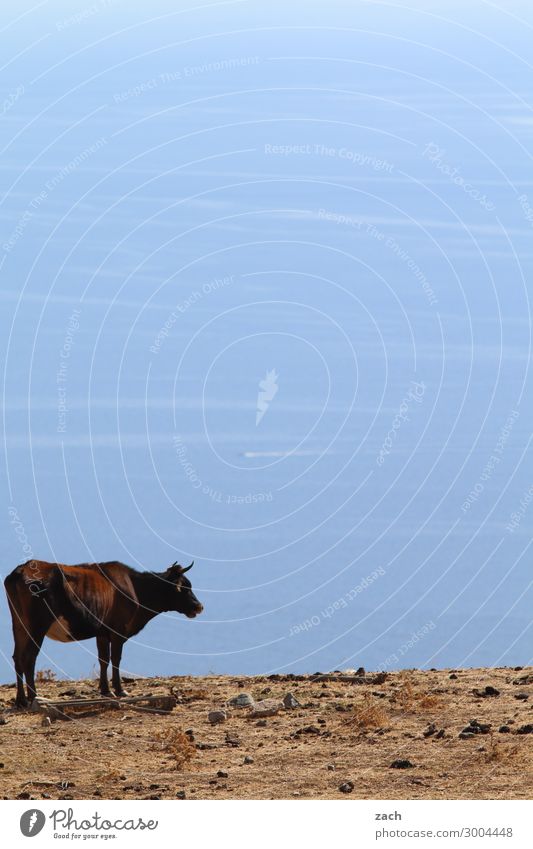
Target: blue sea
<point>265,305</point>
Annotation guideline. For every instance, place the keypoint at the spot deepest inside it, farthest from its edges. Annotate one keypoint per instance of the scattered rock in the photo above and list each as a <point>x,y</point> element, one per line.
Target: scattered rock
<point>475,727</point>
<point>487,692</point>
<point>525,729</point>
<point>523,697</point>
<point>331,767</point>
<point>524,679</point>
<point>3,721</point>
<point>266,707</point>
<point>307,729</point>
<point>401,763</point>
<point>453,676</point>
<point>430,730</point>
<point>222,774</point>
<point>181,794</point>
<point>440,734</point>
<point>261,723</point>
<point>504,729</point>
<point>248,759</point>
<point>232,739</point>
<point>215,717</point>
<point>360,671</point>
<point>346,787</point>
<point>243,700</point>
<point>289,702</point>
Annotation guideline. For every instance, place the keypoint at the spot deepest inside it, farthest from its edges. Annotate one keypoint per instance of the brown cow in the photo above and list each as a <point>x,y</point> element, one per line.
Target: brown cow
<point>109,601</point>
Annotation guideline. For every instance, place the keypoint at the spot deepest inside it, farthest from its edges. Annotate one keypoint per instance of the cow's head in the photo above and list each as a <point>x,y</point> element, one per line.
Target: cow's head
<point>182,599</point>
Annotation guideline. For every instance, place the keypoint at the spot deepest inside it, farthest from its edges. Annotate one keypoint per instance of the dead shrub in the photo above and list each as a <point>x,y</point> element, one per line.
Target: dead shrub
<point>177,744</point>
<point>43,676</point>
<point>497,752</point>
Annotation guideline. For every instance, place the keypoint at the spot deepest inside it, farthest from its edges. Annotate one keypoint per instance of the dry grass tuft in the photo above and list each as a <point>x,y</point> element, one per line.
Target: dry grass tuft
<point>369,714</point>
<point>409,699</point>
<point>177,744</point>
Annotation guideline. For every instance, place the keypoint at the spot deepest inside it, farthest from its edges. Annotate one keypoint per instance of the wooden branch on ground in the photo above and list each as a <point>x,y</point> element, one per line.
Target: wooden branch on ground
<point>82,708</point>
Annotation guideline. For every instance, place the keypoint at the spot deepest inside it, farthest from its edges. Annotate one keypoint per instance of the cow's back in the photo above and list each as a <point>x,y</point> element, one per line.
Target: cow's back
<point>81,599</point>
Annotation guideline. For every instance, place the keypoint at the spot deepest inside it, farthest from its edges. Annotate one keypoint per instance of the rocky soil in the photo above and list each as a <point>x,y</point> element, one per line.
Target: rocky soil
<point>447,734</point>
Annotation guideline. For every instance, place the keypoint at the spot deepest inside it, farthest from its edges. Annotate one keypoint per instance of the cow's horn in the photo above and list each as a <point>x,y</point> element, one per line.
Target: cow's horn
<point>188,567</point>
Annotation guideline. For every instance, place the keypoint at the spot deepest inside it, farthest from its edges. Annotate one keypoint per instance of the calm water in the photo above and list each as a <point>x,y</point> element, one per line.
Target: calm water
<point>265,304</point>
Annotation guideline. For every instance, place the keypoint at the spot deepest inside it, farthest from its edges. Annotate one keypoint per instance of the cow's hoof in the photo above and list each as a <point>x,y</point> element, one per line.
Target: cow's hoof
<point>106,694</point>
<point>120,694</point>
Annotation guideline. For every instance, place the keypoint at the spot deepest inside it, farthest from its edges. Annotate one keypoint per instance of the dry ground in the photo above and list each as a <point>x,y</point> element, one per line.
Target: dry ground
<point>348,730</point>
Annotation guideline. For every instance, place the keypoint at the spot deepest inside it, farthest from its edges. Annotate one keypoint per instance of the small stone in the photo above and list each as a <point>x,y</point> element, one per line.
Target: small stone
<point>290,702</point>
<point>222,774</point>
<point>181,794</point>
<point>453,676</point>
<point>440,734</point>
<point>217,716</point>
<point>346,787</point>
<point>360,671</point>
<point>523,697</point>
<point>266,707</point>
<point>261,723</point>
<point>401,763</point>
<point>331,767</point>
<point>504,729</point>
<point>525,729</point>
<point>430,730</point>
<point>3,721</point>
<point>243,700</point>
<point>466,735</point>
<point>248,759</point>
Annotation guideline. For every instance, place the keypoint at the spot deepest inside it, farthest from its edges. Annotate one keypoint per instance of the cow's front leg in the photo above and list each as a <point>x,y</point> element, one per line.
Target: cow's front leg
<point>116,655</point>
<point>102,643</point>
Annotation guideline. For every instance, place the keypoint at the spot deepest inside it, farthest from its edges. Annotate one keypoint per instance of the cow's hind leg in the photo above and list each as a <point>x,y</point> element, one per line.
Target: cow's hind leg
<point>29,657</point>
<point>102,643</point>
<point>20,699</point>
<point>27,647</point>
<point>116,655</point>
